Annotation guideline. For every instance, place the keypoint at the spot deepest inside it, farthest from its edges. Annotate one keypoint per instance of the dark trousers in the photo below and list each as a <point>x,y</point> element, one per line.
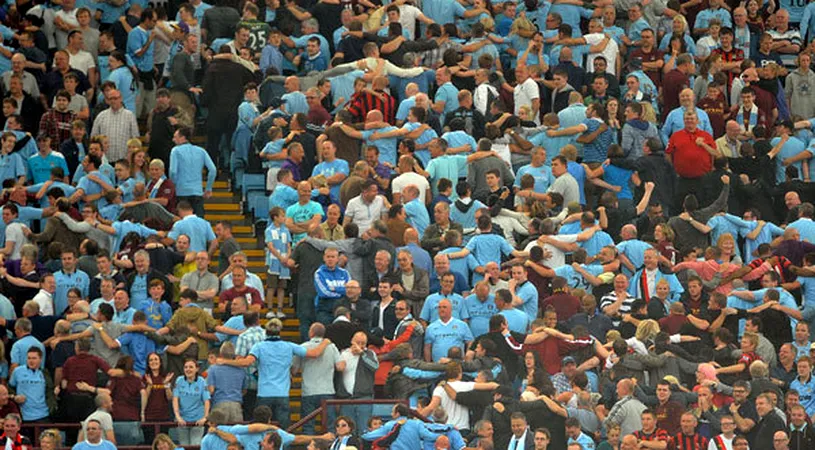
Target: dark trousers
<point>216,134</point>
<point>281,411</point>
<point>197,203</point>
<point>684,187</point>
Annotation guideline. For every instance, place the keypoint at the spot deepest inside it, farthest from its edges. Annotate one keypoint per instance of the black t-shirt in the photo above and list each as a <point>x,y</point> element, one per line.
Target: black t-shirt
<point>503,351</point>
<point>329,18</point>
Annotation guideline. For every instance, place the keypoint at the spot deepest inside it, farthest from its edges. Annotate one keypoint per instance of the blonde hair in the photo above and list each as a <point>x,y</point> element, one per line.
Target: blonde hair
<point>648,113</point>
<point>725,237</point>
<point>521,24</point>
<point>162,437</point>
<point>613,335</point>
<point>488,22</point>
<point>54,434</point>
<point>680,18</point>
<point>667,231</point>
<point>646,330</point>
<point>134,142</point>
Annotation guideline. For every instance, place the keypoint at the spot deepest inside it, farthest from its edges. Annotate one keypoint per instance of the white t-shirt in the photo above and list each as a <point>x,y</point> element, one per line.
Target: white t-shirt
<point>457,415</point>
<point>408,14</point>
<point>81,61</point>
<point>407,179</point>
<point>69,17</point>
<point>14,233</point>
<point>525,93</point>
<point>558,258</point>
<point>610,53</point>
<point>46,302</point>
<point>349,375</point>
<point>363,214</point>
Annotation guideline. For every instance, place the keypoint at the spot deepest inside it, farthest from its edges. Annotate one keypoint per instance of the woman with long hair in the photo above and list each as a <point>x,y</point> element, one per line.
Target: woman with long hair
<point>664,237</point>
<point>730,252</point>
<point>190,404</point>
<point>139,161</point>
<point>676,47</point>
<point>122,76</point>
<point>156,395</point>
<point>679,30</point>
<point>616,118</point>
<point>163,442</point>
<point>707,69</point>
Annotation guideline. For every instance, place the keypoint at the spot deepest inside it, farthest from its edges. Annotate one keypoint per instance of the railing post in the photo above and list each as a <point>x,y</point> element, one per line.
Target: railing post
<point>324,415</point>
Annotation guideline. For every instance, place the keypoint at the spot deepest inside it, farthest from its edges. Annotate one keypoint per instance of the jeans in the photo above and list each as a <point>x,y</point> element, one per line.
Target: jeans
<point>358,413</point>
<point>197,203</point>
<point>325,311</point>
<point>312,402</point>
<point>189,435</point>
<point>281,411</point>
<point>128,433</point>
<point>249,403</point>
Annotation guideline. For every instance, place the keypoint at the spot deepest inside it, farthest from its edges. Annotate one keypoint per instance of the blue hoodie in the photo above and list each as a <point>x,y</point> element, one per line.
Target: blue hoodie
<point>330,284</point>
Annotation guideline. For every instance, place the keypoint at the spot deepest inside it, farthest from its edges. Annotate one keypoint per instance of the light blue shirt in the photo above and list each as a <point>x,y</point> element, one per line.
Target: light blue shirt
<point>136,39</point>
<point>430,309</point>
<point>31,384</point>
<point>529,294</point>
<point>191,398</point>
<point>449,95</point>
<point>387,147</point>
<point>329,169</point>
<point>791,148</point>
<point>705,15</point>
<point>12,167</point>
<point>19,351</point>
<point>39,167</point>
<point>480,313</point>
<point>542,175</point>
<point>444,336</point>
<point>197,229</point>
<point>274,358</point>
<point>488,248</point>
<point>295,103</point>
<point>446,166</point>
<point>303,213</point>
<point>517,320</point>
<point>417,216</point>
<point>187,161</point>
<point>66,281</point>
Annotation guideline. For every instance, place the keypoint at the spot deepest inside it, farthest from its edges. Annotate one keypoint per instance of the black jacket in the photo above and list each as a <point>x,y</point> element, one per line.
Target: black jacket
<point>364,383</point>
<point>221,98</point>
<point>802,440</point>
<point>70,150</point>
<point>360,310</point>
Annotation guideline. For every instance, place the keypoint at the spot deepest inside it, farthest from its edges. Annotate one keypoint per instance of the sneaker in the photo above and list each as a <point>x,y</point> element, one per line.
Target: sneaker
<point>271,315</point>
<point>281,314</point>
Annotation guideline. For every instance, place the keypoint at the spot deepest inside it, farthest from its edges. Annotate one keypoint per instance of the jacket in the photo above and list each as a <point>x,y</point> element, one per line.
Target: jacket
<point>367,248</point>
<point>421,286</point>
<point>330,284</point>
<point>364,377</point>
<point>70,151</point>
<point>635,133</point>
<point>389,320</point>
<point>432,239</point>
<point>801,439</point>
<point>360,311</point>
<point>221,98</point>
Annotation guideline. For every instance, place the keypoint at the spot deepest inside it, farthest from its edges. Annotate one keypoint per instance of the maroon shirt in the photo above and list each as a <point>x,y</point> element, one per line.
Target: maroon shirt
<point>158,407</point>
<point>126,394</point>
<point>654,55</point>
<point>319,116</point>
<point>165,190</point>
<point>228,295</point>
<point>565,304</point>
<point>82,367</point>
<point>672,84</point>
<point>716,110</point>
<point>765,101</point>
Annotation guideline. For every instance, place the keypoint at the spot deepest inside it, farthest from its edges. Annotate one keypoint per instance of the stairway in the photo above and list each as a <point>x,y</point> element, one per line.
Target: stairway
<point>226,205</point>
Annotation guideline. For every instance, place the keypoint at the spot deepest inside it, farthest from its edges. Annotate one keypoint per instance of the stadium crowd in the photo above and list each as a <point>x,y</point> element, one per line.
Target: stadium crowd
<point>571,225</point>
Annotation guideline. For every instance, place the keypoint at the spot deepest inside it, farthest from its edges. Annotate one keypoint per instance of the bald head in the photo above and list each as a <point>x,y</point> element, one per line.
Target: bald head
<point>374,116</point>
<point>411,236</point>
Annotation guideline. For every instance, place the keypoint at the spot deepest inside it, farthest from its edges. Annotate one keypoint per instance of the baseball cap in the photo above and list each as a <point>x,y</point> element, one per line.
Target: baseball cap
<point>181,26</point>
<point>568,360</point>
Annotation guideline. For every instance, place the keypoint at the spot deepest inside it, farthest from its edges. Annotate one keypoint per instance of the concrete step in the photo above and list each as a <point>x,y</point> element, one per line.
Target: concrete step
<point>224,217</point>
<point>228,207</point>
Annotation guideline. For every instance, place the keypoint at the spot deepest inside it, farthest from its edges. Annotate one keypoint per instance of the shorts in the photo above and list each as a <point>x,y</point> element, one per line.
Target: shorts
<point>275,281</point>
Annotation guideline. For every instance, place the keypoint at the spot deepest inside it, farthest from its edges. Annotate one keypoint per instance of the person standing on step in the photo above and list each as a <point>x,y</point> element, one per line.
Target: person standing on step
<point>187,163</point>
<point>224,241</point>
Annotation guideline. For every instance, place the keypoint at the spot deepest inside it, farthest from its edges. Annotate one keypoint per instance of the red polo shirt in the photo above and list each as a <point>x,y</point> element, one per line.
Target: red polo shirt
<point>690,160</point>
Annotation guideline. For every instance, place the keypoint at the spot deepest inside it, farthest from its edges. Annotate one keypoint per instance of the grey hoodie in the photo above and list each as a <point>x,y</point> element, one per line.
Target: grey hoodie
<point>635,133</point>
